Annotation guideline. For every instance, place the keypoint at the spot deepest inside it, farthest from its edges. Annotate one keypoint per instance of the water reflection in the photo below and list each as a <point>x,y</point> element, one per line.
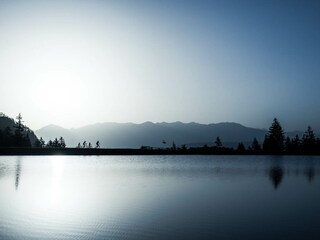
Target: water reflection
<point>276,175</point>
<point>156,197</point>
<point>310,172</point>
<point>18,172</point>
<point>275,172</point>
<point>3,170</point>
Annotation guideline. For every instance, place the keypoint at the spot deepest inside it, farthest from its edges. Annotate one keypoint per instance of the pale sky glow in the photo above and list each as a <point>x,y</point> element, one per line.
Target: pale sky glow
<point>73,63</point>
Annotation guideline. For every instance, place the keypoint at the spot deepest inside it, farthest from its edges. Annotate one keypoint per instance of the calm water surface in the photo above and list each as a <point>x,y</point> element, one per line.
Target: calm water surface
<point>160,197</point>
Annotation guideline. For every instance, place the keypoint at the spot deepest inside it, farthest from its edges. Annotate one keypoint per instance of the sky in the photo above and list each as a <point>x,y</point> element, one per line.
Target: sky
<point>73,63</point>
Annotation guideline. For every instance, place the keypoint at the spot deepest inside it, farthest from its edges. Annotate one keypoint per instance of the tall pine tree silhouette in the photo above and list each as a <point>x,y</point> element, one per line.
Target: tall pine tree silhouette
<point>309,140</point>
<point>274,139</point>
<point>21,139</point>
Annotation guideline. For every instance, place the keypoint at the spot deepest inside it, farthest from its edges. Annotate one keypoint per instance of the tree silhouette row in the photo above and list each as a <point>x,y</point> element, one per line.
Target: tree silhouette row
<point>56,143</point>
<point>275,142</point>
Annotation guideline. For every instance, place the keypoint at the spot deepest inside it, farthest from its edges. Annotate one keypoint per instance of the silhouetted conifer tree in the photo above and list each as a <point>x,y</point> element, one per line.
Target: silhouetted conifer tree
<point>288,145</point>
<point>255,146</point>
<point>309,140</point>
<point>89,145</point>
<point>218,142</point>
<point>62,143</point>
<point>37,144</point>
<point>296,144</point>
<point>19,131</point>
<point>50,144</point>
<point>274,139</point>
<point>174,147</point>
<point>21,140</point>
<point>56,143</point>
<point>42,142</point>
<point>241,147</point>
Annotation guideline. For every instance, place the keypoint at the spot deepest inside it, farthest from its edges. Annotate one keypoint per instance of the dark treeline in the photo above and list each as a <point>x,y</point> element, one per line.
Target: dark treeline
<point>56,143</point>
<point>18,136</point>
<point>275,142</point>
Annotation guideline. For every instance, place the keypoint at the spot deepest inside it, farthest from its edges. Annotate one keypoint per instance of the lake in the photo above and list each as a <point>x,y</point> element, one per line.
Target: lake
<point>160,197</point>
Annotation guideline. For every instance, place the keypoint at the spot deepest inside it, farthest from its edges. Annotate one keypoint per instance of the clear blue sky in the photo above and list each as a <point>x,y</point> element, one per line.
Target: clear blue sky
<point>73,63</point>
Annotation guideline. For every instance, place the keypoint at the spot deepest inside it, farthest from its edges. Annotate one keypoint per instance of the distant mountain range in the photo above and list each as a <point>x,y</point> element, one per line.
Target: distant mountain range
<point>130,135</point>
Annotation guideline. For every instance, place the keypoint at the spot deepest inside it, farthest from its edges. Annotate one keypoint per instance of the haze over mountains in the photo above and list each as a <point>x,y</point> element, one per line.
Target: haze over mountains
<point>130,135</point>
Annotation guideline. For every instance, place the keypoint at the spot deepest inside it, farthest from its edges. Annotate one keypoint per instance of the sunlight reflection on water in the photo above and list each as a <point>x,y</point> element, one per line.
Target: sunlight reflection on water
<point>159,197</point>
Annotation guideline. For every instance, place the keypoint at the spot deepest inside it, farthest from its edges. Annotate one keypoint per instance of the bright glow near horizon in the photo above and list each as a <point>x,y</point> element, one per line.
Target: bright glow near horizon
<point>75,63</point>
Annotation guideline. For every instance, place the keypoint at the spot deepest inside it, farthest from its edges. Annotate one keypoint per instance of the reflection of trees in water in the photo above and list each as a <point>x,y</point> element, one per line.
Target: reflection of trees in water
<point>3,170</point>
<point>276,175</point>
<point>310,173</point>
<point>18,172</point>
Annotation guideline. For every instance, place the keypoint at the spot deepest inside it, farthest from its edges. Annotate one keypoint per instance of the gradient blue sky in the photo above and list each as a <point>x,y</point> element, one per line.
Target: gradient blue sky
<point>73,63</point>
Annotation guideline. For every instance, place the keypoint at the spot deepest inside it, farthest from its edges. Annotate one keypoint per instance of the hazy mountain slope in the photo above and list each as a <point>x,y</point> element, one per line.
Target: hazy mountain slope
<point>151,134</point>
<point>5,122</point>
<point>51,132</point>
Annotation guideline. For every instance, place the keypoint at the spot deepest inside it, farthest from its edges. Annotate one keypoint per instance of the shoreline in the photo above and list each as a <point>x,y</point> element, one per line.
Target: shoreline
<point>134,151</point>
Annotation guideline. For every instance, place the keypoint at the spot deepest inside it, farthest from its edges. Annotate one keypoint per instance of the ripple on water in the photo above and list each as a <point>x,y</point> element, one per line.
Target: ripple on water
<point>159,197</point>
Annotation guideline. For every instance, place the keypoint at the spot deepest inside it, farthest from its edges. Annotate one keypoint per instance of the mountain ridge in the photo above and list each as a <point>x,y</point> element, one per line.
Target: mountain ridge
<point>135,135</point>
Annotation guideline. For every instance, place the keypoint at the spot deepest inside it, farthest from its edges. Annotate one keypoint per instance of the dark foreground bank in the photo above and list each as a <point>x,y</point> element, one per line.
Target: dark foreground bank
<point>109,151</point>
<point>130,151</point>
